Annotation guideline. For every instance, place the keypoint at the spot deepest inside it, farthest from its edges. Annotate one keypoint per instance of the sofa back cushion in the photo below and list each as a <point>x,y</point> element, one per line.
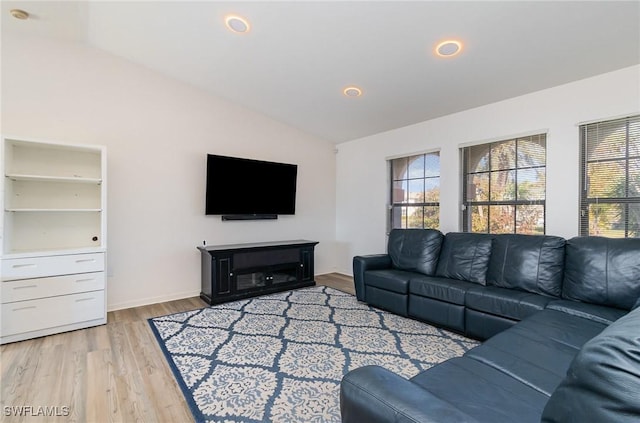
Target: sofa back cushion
<point>415,250</point>
<point>603,271</point>
<point>532,263</point>
<point>603,380</point>
<point>465,256</point>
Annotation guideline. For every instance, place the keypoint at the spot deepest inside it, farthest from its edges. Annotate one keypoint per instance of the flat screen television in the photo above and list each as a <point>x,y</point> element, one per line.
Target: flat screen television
<point>250,188</point>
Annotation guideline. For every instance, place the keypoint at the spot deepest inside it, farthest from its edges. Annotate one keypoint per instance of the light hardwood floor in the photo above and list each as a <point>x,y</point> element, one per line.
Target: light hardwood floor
<point>110,373</point>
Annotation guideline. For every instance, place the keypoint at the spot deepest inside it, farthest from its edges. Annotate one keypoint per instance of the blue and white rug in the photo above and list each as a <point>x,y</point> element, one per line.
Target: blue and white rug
<point>280,358</point>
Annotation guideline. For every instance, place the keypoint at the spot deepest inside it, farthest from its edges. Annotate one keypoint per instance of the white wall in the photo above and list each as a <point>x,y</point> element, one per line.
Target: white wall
<point>362,186</point>
<point>157,132</point>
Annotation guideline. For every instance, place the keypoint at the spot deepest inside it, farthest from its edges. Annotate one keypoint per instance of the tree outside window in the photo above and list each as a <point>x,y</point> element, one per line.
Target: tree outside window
<point>504,187</point>
<point>415,191</point>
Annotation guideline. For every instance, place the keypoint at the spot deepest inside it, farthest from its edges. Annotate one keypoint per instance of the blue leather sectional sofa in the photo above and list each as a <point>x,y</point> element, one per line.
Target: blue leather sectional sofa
<point>560,320</point>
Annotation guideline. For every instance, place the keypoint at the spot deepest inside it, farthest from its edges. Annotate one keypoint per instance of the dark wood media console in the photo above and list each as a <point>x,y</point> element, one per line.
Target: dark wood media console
<point>232,272</point>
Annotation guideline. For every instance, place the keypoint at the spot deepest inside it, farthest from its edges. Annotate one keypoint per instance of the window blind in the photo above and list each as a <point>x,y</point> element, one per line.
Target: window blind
<point>610,178</point>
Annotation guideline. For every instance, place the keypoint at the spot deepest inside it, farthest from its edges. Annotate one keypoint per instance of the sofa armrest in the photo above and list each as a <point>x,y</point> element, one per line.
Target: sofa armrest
<point>363,263</point>
<point>374,394</point>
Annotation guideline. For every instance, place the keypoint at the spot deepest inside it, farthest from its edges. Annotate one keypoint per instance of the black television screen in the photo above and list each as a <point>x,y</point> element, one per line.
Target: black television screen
<point>238,186</point>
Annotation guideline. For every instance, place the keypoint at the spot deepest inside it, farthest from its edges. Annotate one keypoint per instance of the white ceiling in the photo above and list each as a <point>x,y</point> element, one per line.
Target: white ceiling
<point>299,55</point>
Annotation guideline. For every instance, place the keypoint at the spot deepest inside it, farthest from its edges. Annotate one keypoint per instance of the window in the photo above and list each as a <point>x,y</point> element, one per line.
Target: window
<point>504,185</point>
<point>610,178</point>
<point>415,191</point>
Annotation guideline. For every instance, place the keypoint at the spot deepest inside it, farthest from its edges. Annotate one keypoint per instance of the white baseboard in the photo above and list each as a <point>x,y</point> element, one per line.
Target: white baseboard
<point>339,272</point>
<point>153,300</point>
<point>172,297</point>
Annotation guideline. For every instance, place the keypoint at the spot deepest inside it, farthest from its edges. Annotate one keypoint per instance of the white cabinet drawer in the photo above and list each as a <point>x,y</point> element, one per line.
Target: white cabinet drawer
<point>31,289</point>
<point>26,316</point>
<point>38,267</point>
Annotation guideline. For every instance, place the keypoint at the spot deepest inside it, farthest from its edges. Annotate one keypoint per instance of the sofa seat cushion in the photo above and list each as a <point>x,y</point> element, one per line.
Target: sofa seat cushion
<point>443,289</point>
<point>535,351</point>
<point>483,392</point>
<point>511,303</point>
<point>373,394</point>
<point>601,314</point>
<point>465,256</point>
<point>415,250</point>
<point>389,279</point>
<point>437,312</point>
<point>604,271</point>
<point>559,327</point>
<point>481,326</point>
<point>603,381</point>
<point>532,263</point>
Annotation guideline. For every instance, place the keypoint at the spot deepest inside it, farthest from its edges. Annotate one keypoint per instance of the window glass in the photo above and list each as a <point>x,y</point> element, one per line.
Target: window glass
<point>415,191</point>
<point>505,186</point>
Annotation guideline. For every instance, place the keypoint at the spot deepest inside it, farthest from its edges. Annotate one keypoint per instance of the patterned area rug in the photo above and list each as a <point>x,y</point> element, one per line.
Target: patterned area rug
<point>280,358</point>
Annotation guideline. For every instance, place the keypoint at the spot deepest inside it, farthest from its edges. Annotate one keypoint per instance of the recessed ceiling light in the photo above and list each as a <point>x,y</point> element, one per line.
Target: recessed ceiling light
<point>237,24</point>
<point>448,48</point>
<point>19,14</point>
<point>352,91</point>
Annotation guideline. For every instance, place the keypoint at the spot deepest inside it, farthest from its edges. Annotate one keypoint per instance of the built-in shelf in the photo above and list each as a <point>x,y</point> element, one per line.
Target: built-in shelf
<point>18,253</point>
<point>29,192</point>
<point>53,208</point>
<point>48,178</point>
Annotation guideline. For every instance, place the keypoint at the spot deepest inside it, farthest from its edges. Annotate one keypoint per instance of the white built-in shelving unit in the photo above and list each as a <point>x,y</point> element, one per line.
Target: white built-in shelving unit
<point>53,237</point>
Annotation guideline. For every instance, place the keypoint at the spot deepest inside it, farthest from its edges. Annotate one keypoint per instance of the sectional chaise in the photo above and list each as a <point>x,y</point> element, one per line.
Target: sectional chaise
<point>560,321</point>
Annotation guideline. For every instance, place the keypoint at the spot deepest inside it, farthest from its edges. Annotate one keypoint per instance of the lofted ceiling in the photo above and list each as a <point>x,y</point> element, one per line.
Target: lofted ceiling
<point>299,55</point>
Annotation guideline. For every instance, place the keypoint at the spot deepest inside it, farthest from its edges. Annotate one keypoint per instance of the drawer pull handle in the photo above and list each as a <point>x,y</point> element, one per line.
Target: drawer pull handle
<point>85,261</point>
<point>19,266</point>
<point>25,287</point>
<point>85,280</point>
<point>24,308</point>
<point>84,299</point>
